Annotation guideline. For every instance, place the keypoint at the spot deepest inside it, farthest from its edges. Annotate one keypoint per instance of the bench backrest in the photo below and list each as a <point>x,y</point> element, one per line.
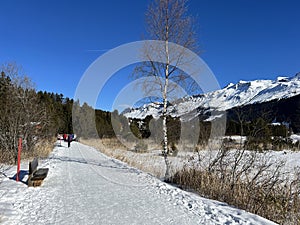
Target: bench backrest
<point>33,166</point>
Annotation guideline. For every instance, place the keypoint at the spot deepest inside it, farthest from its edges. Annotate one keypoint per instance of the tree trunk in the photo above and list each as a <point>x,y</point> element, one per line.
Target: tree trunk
<point>165,144</point>
<point>165,101</point>
<point>167,21</point>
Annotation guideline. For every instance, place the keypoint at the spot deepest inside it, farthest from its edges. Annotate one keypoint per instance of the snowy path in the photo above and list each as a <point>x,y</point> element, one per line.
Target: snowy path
<point>86,187</point>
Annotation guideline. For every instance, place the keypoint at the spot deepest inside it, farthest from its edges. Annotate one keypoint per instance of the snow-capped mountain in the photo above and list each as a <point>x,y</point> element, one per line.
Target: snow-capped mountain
<point>233,95</point>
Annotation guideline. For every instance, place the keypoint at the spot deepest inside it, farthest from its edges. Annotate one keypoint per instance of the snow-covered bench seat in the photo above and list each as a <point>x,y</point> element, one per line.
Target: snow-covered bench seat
<point>36,176</point>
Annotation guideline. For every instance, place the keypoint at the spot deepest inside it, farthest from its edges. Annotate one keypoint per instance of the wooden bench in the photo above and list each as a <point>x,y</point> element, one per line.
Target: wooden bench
<point>36,176</point>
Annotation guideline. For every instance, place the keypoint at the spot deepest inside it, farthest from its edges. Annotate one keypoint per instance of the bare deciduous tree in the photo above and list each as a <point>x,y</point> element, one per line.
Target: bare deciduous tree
<point>20,115</point>
<point>167,21</point>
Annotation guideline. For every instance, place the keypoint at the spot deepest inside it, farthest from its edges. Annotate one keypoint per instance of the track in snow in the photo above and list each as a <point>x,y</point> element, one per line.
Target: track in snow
<point>86,187</point>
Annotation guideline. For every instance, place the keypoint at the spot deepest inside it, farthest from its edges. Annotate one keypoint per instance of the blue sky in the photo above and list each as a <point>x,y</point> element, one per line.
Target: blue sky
<point>56,41</point>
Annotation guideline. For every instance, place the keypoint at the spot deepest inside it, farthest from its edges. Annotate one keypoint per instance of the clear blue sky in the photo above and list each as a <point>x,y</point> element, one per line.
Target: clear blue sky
<point>55,41</point>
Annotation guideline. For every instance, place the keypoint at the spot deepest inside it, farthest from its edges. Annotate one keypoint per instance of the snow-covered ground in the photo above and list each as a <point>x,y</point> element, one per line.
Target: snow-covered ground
<point>295,138</point>
<point>86,187</point>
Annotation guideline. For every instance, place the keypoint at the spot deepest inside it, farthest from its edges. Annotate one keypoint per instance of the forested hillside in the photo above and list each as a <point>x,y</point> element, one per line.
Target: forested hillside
<point>266,125</point>
<point>27,114</point>
<point>36,116</point>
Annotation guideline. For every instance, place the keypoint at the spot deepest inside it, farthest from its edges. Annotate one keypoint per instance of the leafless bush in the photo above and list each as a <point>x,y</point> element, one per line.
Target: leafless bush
<point>246,179</point>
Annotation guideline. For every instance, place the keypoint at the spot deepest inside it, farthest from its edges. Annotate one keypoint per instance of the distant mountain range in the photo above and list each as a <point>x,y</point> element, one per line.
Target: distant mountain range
<point>282,96</point>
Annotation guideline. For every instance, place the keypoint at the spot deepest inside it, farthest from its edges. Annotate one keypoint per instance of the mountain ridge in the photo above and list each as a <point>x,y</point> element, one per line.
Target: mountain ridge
<point>243,93</point>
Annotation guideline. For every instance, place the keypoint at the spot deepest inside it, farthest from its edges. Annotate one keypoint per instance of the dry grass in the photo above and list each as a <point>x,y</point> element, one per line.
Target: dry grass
<point>262,189</point>
<point>7,157</point>
<point>41,150</point>
<point>149,163</point>
<point>278,203</point>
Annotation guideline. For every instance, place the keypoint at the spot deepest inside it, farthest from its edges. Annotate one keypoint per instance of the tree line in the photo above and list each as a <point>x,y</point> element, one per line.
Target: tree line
<point>36,116</point>
<point>28,114</point>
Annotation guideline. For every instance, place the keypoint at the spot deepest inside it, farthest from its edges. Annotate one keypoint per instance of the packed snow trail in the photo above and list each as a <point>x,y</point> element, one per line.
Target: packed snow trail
<point>86,187</point>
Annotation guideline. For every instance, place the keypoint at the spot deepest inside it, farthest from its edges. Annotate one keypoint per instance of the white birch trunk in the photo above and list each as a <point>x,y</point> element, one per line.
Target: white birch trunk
<point>165,102</point>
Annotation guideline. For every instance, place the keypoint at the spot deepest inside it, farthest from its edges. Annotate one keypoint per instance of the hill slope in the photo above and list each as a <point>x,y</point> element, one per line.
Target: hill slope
<point>244,93</point>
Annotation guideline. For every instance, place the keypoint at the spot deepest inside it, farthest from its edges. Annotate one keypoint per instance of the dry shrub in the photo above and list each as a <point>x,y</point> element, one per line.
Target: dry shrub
<point>7,157</point>
<point>41,150</point>
<point>247,182</point>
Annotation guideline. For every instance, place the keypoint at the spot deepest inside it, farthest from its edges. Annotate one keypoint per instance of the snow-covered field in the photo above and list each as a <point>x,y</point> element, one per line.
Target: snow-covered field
<point>86,187</point>
<point>153,163</point>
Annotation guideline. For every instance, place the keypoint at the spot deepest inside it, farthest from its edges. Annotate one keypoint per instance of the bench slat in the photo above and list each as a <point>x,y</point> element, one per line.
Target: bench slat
<point>40,174</point>
<point>33,166</point>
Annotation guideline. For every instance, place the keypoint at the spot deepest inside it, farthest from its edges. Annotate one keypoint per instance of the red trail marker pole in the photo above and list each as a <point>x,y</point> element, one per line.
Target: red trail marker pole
<point>19,158</point>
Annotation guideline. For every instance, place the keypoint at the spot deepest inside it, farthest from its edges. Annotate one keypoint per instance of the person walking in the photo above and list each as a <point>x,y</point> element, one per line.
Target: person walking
<point>69,140</point>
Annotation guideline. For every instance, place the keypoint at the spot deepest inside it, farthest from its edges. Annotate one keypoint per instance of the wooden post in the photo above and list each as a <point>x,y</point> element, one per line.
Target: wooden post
<point>19,158</point>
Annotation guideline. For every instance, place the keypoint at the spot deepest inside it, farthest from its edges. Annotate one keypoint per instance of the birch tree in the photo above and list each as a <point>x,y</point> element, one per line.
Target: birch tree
<point>167,21</point>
